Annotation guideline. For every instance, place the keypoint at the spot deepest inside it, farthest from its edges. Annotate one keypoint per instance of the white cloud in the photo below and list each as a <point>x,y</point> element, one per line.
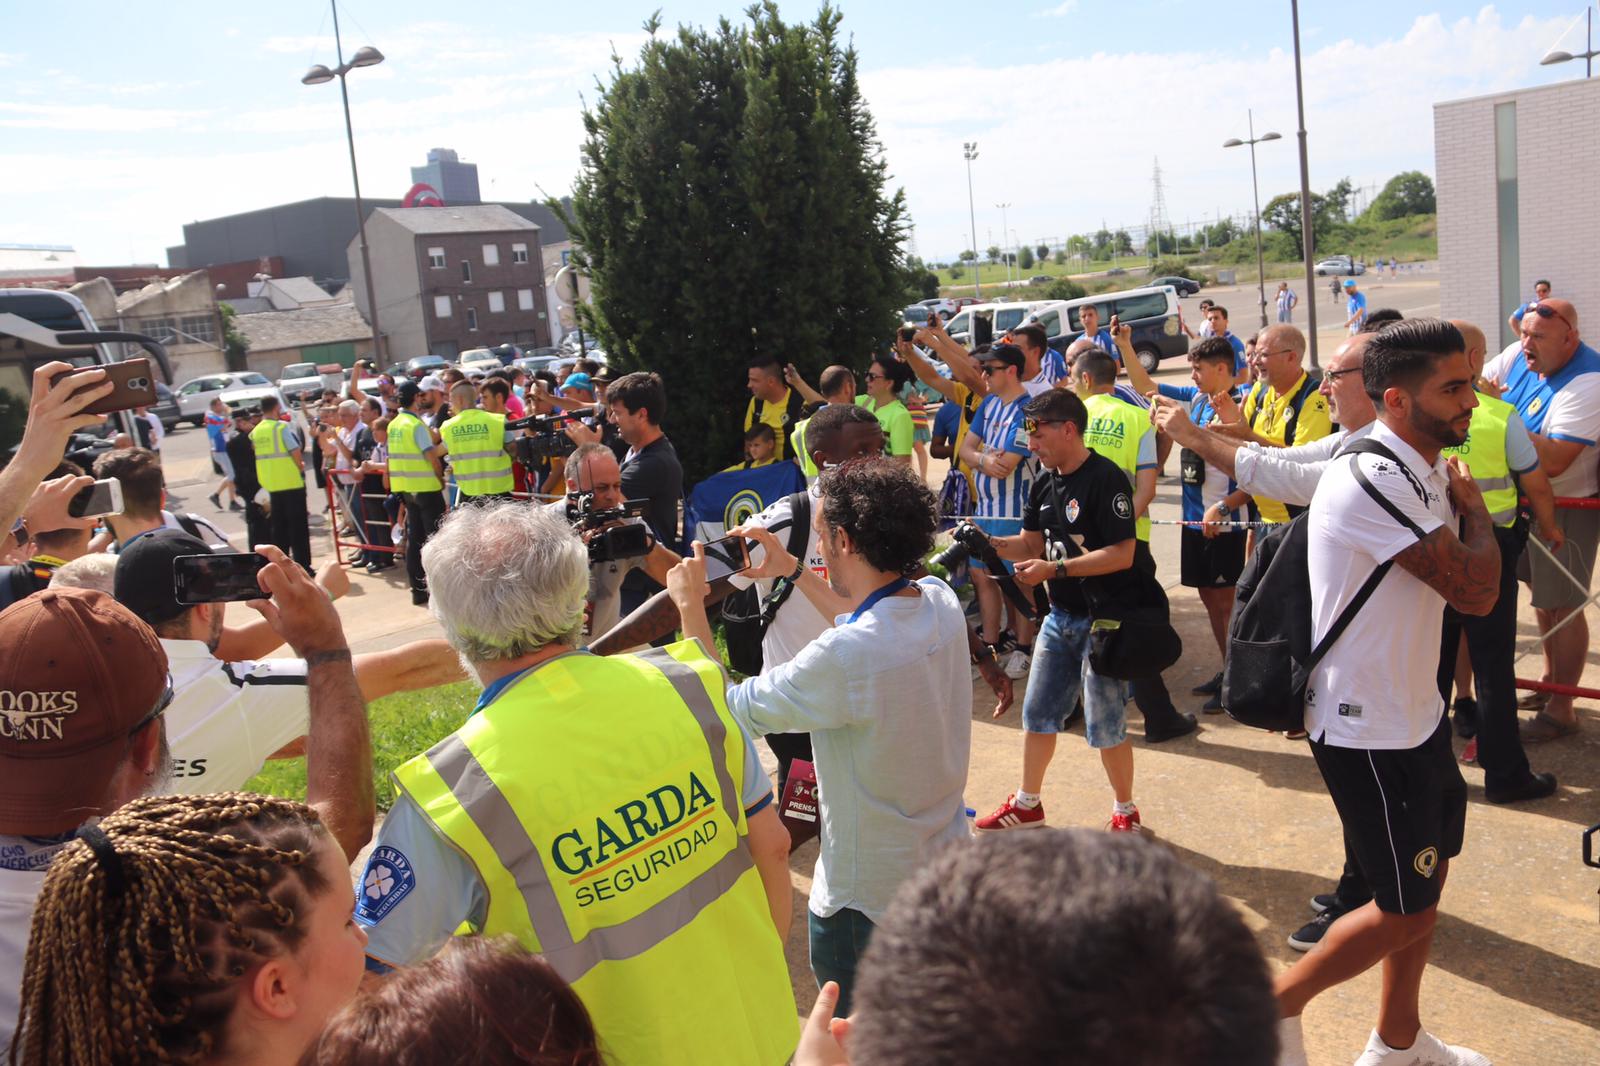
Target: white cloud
<point>299,45</point>
<point>95,118</point>
<point>1066,7</point>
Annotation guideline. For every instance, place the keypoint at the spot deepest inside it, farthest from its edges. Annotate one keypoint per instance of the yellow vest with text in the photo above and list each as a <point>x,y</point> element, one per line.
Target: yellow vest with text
<point>1115,429</point>
<point>409,469</point>
<point>478,459</point>
<point>1484,452</point>
<point>276,469</point>
<point>598,799</point>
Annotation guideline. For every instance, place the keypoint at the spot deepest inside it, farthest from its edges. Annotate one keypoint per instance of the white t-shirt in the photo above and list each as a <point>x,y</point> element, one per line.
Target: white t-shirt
<point>798,622</point>
<point>23,862</point>
<point>226,718</point>
<point>1377,686</point>
<point>209,533</point>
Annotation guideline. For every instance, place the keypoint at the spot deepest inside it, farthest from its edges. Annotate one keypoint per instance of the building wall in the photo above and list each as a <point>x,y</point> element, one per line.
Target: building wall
<point>450,336</point>
<point>395,286</point>
<point>1558,228</point>
<point>182,314</point>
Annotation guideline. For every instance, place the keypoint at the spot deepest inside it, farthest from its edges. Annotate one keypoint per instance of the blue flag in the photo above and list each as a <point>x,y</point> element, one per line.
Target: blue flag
<point>727,499</point>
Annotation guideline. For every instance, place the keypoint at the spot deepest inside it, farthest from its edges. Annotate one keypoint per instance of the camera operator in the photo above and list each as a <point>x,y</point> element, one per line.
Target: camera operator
<point>1083,497</point>
<point>594,486</point>
<point>636,403</point>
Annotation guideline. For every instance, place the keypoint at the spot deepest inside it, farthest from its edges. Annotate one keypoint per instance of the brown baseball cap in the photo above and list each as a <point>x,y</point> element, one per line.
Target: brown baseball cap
<point>80,676</point>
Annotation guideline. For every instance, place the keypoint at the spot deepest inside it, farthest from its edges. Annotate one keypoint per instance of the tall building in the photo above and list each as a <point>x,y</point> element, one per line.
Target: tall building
<point>452,179</point>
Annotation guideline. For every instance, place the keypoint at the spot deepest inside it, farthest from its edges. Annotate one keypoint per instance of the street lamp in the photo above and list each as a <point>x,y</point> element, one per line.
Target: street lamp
<point>969,152</point>
<point>1252,141</point>
<point>1587,55</point>
<point>1004,240</point>
<point>366,56</point>
<point>1306,234</point>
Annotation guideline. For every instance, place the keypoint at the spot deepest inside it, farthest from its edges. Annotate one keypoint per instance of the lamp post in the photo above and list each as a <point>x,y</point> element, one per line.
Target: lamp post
<point>1306,236</point>
<point>1005,241</point>
<point>1252,141</point>
<point>969,152</point>
<point>1587,55</point>
<point>366,56</point>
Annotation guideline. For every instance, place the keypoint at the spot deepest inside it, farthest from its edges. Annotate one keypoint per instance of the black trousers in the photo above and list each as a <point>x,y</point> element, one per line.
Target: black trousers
<point>1150,693</point>
<point>424,512</point>
<point>287,526</point>
<point>257,527</point>
<point>1491,645</point>
<point>788,747</point>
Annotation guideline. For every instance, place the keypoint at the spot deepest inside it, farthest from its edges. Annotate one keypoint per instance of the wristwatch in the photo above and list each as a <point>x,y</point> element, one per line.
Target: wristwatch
<point>985,655</point>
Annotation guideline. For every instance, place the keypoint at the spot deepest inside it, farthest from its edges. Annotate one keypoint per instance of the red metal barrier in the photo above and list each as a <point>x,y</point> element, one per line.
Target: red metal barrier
<point>343,514</point>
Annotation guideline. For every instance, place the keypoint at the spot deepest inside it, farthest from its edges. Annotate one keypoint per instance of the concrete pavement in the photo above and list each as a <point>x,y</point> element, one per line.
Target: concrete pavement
<point>1516,966</point>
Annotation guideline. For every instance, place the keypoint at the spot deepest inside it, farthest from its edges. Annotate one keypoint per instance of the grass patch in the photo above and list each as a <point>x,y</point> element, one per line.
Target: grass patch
<point>403,725</point>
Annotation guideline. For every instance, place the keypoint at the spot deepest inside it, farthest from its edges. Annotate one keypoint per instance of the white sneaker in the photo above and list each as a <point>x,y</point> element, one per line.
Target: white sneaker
<point>1291,1042</point>
<point>1017,664</point>
<point>1426,1050</point>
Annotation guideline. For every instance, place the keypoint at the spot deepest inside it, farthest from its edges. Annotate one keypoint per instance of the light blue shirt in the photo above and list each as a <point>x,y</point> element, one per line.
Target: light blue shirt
<point>887,700</point>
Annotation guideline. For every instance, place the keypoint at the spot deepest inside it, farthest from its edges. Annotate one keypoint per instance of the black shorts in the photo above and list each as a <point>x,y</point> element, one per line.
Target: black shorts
<point>1404,811</point>
<point>1213,563</point>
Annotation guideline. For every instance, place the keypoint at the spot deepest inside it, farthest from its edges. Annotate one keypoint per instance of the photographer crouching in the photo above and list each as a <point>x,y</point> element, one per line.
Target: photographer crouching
<point>613,529</point>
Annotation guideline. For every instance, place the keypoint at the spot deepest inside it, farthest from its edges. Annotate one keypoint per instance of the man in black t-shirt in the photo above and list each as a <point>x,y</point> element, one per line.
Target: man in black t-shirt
<point>1078,537</point>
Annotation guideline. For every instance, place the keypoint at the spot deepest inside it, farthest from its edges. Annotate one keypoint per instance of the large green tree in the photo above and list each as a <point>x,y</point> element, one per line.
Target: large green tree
<point>733,203</point>
<point>1407,193</point>
<point>1329,209</point>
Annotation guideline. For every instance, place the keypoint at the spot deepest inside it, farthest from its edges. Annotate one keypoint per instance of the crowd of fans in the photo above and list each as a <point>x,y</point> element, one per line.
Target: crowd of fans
<point>601,822</point>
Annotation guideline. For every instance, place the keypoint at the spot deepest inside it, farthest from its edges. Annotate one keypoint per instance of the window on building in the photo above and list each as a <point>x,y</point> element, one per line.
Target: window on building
<point>436,258</point>
<point>201,328</point>
<point>163,330</point>
<point>441,306</point>
<point>524,299</point>
<point>519,253</point>
<point>497,302</point>
<point>491,255</point>
<point>472,319</point>
<point>466,270</point>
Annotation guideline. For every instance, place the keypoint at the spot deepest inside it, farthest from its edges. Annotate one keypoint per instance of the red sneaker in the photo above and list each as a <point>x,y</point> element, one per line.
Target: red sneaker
<point>1469,754</point>
<point>1124,823</point>
<point>1011,816</point>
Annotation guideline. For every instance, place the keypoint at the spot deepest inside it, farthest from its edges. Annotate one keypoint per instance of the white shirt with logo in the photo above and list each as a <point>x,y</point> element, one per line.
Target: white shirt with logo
<point>227,718</point>
<point>1377,686</point>
<point>798,622</point>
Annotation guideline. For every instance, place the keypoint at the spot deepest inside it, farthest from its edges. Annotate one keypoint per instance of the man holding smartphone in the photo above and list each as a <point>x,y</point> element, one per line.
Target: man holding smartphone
<point>52,549</point>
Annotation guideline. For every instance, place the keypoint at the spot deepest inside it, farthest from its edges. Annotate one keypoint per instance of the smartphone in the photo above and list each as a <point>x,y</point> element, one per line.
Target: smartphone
<point>97,500</point>
<point>225,578</point>
<point>730,555</point>
<point>134,386</point>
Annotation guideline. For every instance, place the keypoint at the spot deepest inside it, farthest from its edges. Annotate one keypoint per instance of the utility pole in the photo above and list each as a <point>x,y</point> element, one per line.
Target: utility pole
<point>1310,297</point>
<point>969,152</point>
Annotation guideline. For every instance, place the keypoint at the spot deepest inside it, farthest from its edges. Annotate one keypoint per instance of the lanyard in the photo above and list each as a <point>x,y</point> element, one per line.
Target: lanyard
<point>888,590</point>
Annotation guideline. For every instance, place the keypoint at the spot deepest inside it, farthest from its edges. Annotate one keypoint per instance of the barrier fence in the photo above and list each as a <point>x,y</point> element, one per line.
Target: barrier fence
<point>342,505</point>
<point>1571,503</point>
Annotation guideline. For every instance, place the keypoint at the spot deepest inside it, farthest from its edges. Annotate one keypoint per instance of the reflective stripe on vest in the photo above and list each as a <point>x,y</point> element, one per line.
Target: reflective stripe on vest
<point>1115,428</point>
<point>276,469</point>
<point>651,907</point>
<point>478,467</point>
<point>1484,452</point>
<point>409,469</point>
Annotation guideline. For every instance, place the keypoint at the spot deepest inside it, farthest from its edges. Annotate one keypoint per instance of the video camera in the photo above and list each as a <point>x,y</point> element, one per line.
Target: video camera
<point>970,542</point>
<point>548,441</point>
<point>627,541</point>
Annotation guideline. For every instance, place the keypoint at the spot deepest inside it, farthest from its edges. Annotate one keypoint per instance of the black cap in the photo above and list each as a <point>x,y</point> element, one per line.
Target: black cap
<point>1008,354</point>
<point>407,392</point>
<point>144,582</point>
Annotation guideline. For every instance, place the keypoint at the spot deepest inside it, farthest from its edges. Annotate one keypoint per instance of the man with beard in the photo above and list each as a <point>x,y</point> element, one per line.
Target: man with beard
<point>1373,708</point>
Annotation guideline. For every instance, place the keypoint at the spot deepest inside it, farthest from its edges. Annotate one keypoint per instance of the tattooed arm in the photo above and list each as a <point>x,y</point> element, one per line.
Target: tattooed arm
<point>1464,570</point>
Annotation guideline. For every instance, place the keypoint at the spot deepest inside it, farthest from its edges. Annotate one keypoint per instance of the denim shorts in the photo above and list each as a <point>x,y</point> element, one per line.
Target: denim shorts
<point>1060,672</point>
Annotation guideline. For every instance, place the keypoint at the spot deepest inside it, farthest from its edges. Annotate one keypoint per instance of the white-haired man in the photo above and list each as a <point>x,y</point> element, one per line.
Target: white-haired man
<point>605,810</point>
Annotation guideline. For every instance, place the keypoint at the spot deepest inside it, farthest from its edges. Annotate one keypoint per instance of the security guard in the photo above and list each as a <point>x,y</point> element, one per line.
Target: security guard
<point>415,471</point>
<point>475,443</point>
<point>1502,459</point>
<point>280,469</point>
<point>1124,434</point>
<point>608,812</point>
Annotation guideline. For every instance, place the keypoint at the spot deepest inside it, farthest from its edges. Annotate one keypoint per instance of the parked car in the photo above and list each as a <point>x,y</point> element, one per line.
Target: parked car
<point>423,365</point>
<point>1115,272</point>
<point>1151,311</point>
<point>251,396</point>
<point>476,368</point>
<point>196,394</point>
<point>1184,286</point>
<point>1040,279</point>
<point>298,379</point>
<point>166,407</point>
<point>1339,265</point>
<point>964,301</point>
<point>534,363</point>
<point>981,323</point>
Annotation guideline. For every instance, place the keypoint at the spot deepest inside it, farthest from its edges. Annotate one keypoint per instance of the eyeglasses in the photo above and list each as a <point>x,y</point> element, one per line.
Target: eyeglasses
<point>1031,425</point>
<point>869,376</point>
<point>1546,311</point>
<point>1335,375</point>
<point>158,710</point>
<point>993,368</point>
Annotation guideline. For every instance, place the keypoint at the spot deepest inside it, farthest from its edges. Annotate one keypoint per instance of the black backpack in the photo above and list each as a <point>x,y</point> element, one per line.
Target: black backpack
<point>1270,657</point>
<point>746,615</point>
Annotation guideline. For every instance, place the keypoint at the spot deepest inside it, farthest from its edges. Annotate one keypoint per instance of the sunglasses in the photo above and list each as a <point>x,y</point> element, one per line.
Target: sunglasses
<point>1031,425</point>
<point>1546,311</point>
<point>994,368</point>
<point>158,710</point>
<point>875,377</point>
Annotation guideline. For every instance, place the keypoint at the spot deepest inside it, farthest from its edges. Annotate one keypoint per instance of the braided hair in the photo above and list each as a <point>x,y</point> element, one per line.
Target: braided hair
<point>147,923</point>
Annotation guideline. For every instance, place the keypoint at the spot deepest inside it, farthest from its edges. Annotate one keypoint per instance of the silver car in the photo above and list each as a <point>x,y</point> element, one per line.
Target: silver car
<point>196,394</point>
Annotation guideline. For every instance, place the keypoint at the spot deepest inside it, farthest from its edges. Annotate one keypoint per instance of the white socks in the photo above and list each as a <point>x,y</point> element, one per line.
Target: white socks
<point>1030,800</point>
<point>1118,807</point>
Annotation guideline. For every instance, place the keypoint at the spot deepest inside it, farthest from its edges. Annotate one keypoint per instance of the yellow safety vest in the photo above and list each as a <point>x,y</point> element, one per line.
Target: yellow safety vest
<point>476,440</point>
<point>1115,429</point>
<point>598,799</point>
<point>797,444</point>
<point>276,469</point>
<point>1484,452</point>
<point>409,469</point>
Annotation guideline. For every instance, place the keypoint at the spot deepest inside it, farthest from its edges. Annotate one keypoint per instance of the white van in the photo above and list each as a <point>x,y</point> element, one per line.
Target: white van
<point>1151,311</point>
<point>982,323</point>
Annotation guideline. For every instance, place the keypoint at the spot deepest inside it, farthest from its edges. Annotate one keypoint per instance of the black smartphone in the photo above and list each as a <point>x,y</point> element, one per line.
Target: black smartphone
<point>225,578</point>
<point>908,333</point>
<point>95,501</point>
<point>730,555</point>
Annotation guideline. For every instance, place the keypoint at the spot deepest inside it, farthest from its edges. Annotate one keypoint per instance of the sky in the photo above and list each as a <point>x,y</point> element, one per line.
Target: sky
<point>116,130</point>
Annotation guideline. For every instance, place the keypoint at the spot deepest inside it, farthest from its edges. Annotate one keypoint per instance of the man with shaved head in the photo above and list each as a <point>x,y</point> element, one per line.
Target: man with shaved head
<point>1552,379</point>
<point>1503,462</point>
